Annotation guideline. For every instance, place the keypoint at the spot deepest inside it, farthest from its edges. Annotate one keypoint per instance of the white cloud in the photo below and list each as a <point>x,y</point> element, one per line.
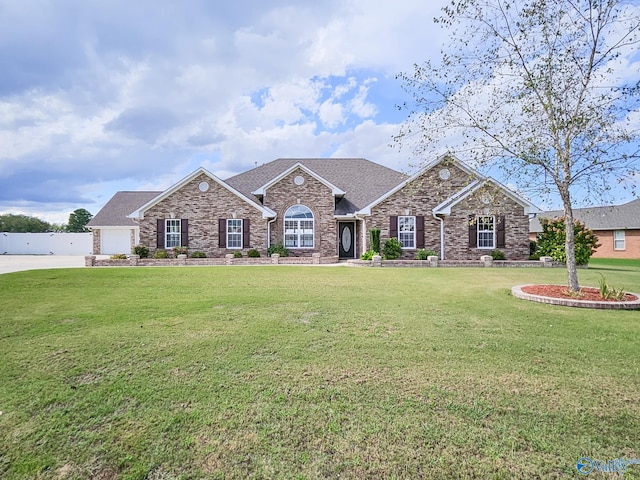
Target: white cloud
<point>97,97</point>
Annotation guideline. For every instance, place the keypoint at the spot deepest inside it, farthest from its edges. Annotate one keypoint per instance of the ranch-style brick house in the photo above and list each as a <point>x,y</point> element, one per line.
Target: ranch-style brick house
<point>324,206</point>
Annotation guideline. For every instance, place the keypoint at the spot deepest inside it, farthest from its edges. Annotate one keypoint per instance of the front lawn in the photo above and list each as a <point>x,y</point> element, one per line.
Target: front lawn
<point>312,372</point>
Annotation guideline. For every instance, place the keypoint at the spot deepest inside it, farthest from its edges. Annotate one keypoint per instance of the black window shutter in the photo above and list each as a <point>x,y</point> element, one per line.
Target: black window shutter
<point>246,233</point>
<point>184,232</point>
<point>393,226</point>
<point>473,235</point>
<point>500,236</point>
<point>222,232</point>
<point>160,233</point>
<point>419,231</point>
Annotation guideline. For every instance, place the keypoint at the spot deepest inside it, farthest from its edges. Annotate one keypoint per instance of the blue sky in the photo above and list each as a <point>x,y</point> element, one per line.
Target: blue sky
<point>110,95</point>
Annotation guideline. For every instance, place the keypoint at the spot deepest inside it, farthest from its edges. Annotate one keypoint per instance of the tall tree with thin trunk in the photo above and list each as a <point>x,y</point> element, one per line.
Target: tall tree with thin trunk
<point>546,90</point>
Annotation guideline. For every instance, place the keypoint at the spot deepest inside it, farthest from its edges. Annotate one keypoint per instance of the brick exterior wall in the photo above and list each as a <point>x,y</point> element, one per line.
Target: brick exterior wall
<point>426,192</point>
<point>605,250</point>
<point>605,239</point>
<point>516,226</point>
<point>203,209</point>
<point>312,194</point>
<point>96,241</point>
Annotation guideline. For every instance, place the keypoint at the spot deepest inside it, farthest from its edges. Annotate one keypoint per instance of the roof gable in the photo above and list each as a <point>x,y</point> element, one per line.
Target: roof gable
<point>444,208</point>
<point>334,190</point>
<point>360,179</point>
<point>448,158</point>
<point>266,212</point>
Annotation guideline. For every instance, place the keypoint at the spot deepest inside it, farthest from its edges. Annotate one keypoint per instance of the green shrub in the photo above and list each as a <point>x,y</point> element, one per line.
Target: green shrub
<point>552,239</point>
<point>498,255</point>
<point>278,248</point>
<point>119,256</point>
<point>198,255</point>
<point>253,253</point>
<point>141,251</point>
<point>161,254</point>
<point>533,247</point>
<point>374,239</point>
<point>237,254</point>
<point>368,255</point>
<point>424,254</point>
<point>392,249</point>
<point>180,251</point>
<point>534,257</point>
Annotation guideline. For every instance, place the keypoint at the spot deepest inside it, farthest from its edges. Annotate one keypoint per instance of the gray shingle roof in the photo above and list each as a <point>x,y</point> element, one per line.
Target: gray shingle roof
<point>615,217</point>
<point>115,211</point>
<point>362,180</point>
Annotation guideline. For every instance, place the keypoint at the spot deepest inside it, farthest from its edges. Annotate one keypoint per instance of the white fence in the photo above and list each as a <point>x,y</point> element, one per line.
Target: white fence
<point>46,243</point>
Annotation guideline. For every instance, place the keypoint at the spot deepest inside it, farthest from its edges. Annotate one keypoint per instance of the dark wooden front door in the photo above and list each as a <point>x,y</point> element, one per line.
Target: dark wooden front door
<point>347,240</point>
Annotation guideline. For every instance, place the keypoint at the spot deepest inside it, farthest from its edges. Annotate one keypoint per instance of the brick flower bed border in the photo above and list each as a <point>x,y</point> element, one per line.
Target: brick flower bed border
<point>315,259</point>
<point>574,302</point>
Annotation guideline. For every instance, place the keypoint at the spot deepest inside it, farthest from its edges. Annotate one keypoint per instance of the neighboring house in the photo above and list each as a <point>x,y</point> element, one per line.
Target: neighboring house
<point>327,206</point>
<point>113,231</point>
<point>617,228</point>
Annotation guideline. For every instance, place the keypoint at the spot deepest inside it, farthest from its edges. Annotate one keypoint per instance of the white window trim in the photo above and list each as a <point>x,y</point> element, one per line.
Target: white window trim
<point>228,233</point>
<point>167,233</point>
<point>412,232</point>
<point>298,230</point>
<point>623,240</point>
<point>493,231</point>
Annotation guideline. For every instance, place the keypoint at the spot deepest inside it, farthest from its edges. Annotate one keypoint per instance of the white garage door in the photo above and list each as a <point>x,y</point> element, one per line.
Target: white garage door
<point>115,241</point>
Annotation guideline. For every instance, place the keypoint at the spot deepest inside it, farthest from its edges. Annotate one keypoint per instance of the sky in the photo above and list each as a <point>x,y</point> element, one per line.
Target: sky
<point>109,95</point>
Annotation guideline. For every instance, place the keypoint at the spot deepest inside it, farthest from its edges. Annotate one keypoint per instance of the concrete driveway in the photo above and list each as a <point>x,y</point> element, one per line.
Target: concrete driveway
<point>16,263</point>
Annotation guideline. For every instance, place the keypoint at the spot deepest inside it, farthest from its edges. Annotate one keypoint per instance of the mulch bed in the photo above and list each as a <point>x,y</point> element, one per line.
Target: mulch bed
<point>561,291</point>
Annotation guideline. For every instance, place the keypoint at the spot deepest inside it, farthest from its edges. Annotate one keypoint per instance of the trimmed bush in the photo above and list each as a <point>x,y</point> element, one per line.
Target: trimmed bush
<point>161,254</point>
<point>119,256</point>
<point>424,254</point>
<point>392,249</point>
<point>198,255</point>
<point>498,255</point>
<point>141,251</point>
<point>180,251</point>
<point>253,253</point>
<point>368,255</point>
<point>237,254</point>
<point>278,248</point>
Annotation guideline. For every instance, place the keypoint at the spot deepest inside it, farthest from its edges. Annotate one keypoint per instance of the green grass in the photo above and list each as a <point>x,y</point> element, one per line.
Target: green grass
<point>303,372</point>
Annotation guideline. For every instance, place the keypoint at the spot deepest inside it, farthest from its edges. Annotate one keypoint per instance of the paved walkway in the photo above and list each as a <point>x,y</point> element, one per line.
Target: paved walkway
<point>16,263</point>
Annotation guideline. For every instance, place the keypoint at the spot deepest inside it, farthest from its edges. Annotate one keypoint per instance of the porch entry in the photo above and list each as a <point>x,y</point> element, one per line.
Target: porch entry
<point>347,240</point>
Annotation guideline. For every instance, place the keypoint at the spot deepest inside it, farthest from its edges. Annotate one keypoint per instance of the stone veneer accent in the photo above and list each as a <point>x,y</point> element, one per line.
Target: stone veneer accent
<point>203,209</point>
<point>429,190</point>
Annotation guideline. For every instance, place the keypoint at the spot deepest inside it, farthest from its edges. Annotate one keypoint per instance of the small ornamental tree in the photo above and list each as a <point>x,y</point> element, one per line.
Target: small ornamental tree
<point>551,242</point>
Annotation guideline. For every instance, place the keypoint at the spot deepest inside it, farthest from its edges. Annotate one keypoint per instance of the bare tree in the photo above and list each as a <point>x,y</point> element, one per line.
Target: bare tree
<point>546,90</point>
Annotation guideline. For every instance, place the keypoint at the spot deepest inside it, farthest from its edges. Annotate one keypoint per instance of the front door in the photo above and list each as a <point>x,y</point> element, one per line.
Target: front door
<point>347,239</point>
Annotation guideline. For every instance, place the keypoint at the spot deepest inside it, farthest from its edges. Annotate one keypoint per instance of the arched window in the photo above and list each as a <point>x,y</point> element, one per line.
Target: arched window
<point>298,227</point>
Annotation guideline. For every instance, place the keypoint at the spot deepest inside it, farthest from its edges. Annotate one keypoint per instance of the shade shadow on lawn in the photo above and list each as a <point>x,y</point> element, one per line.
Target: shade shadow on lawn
<point>299,372</point>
